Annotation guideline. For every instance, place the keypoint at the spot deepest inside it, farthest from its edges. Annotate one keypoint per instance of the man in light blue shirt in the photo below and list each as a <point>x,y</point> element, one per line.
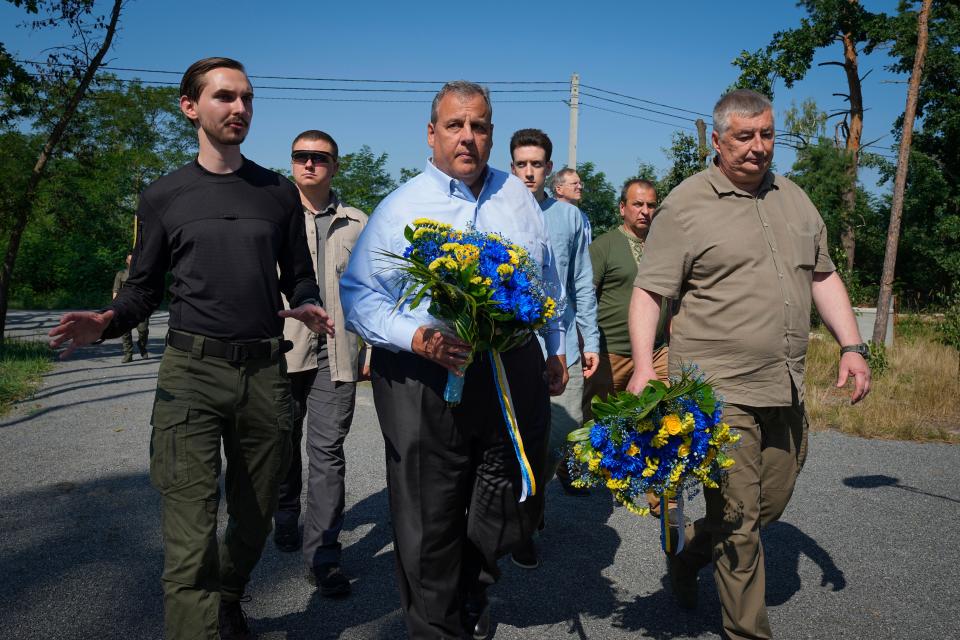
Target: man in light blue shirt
<point>452,476</point>
<point>530,151</point>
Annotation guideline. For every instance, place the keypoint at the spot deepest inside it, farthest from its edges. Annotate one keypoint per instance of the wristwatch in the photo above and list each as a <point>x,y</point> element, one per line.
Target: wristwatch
<point>861,348</point>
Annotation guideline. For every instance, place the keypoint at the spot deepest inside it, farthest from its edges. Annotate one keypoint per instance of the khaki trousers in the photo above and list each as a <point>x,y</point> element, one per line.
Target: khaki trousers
<point>769,456</point>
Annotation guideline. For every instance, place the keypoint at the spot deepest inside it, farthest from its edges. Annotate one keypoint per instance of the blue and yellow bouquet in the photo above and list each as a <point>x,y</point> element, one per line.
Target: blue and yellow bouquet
<point>487,289</point>
<point>668,440</point>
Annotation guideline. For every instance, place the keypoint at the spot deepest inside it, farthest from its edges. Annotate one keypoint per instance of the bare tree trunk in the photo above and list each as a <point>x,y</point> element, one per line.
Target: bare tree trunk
<point>855,132</point>
<point>24,205</point>
<point>702,151</point>
<point>900,182</point>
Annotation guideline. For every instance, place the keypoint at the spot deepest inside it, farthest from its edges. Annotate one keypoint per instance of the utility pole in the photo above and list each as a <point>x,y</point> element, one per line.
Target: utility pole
<point>900,182</point>
<point>574,109</point>
<point>702,141</point>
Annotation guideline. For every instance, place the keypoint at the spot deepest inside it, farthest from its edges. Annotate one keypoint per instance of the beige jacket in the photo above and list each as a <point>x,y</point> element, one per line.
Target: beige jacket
<point>343,349</point>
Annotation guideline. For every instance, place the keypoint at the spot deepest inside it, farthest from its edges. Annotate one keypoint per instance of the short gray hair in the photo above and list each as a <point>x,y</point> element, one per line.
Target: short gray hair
<point>462,89</point>
<point>743,102</point>
<point>560,177</point>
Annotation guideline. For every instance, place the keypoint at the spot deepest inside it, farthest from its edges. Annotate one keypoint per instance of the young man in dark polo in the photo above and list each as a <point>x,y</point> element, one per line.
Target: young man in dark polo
<point>221,225</point>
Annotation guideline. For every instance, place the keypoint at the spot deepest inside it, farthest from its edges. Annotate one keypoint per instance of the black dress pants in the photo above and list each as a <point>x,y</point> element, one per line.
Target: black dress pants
<point>453,477</point>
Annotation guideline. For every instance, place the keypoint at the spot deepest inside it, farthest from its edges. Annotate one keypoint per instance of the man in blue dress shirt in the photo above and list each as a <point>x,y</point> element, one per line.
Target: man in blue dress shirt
<point>452,476</point>
<point>530,151</point>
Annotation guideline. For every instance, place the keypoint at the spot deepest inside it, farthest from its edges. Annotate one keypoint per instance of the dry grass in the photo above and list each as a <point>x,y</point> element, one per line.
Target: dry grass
<point>916,398</point>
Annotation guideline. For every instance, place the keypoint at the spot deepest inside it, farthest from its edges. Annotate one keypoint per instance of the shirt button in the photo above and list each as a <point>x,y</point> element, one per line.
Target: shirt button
<point>765,224</point>
<point>780,274</point>
<point>774,249</point>
<point>787,303</point>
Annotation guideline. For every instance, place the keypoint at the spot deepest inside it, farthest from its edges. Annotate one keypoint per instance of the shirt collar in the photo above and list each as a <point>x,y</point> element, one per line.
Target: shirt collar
<point>452,186</point>
<point>722,185</point>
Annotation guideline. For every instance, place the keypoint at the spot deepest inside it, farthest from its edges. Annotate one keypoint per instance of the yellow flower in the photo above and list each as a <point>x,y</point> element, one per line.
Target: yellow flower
<point>652,464</point>
<point>688,423</point>
<point>661,438</point>
<point>549,308</point>
<point>633,508</point>
<point>684,449</point>
<point>514,257</point>
<point>645,425</point>
<point>618,485</point>
<point>594,464</point>
<point>424,222</point>
<point>672,424</point>
<point>449,246</point>
<point>505,271</point>
<point>675,473</point>
<point>633,450</point>
<point>443,261</point>
<point>467,254</point>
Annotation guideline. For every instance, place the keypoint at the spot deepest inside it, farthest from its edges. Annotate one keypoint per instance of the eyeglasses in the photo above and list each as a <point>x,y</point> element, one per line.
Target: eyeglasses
<point>317,157</point>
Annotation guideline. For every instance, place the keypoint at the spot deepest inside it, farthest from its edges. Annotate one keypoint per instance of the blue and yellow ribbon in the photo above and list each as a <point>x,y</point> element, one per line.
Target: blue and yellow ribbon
<point>529,485</point>
<point>665,541</point>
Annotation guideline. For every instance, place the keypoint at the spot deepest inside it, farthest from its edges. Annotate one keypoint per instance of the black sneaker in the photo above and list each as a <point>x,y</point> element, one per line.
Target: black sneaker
<point>127,357</point>
<point>526,555</point>
<point>286,537</point>
<point>331,582</point>
<point>233,621</point>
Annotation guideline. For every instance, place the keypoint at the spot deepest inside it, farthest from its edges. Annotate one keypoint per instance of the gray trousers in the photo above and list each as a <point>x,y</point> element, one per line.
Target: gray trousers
<point>326,408</point>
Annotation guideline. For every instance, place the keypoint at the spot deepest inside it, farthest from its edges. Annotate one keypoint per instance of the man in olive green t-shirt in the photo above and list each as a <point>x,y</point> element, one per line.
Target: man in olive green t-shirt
<point>745,252</point>
<point>615,256</point>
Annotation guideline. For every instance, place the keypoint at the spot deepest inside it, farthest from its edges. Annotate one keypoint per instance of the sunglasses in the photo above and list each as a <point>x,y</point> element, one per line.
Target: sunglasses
<point>317,157</point>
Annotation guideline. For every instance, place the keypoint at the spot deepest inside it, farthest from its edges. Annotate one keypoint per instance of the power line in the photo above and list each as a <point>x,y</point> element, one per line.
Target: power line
<point>631,115</point>
<point>308,78</point>
<point>633,106</point>
<point>657,104</point>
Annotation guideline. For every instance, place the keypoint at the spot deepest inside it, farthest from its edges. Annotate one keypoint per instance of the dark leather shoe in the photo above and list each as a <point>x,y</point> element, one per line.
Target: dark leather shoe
<point>526,555</point>
<point>127,357</point>
<point>476,618</point>
<point>330,581</point>
<point>233,622</point>
<point>286,537</point>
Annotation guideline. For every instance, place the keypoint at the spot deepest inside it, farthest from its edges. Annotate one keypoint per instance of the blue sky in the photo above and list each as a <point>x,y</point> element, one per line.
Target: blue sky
<point>675,53</point>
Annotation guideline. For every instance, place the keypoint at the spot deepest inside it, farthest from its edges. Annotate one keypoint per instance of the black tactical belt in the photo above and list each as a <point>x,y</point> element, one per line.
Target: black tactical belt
<point>230,351</point>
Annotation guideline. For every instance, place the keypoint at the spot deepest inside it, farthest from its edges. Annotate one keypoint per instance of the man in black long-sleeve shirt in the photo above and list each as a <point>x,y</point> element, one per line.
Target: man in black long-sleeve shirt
<point>221,225</point>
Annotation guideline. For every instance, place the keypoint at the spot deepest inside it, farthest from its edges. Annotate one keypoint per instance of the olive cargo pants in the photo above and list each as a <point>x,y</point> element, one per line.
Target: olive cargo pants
<point>200,401</point>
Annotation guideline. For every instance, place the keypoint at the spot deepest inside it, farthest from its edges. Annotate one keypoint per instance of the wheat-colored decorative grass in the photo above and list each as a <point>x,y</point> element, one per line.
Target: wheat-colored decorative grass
<point>916,398</point>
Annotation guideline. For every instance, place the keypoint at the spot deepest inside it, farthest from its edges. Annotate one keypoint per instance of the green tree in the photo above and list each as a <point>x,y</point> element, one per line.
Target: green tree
<point>684,157</point>
<point>64,87</point>
<point>407,173</point>
<point>599,200</point>
<point>929,259</point>
<point>789,56</point>
<point>363,180</point>
<point>123,137</point>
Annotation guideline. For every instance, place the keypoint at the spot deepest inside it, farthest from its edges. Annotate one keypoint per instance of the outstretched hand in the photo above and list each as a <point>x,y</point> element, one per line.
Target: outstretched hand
<point>311,315</point>
<point>80,328</point>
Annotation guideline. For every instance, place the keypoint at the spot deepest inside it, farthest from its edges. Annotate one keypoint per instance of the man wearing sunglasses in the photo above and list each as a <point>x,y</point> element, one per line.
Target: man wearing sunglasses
<point>323,372</point>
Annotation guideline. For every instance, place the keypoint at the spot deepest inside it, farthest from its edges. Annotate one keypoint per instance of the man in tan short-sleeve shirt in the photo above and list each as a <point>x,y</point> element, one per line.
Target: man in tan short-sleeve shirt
<point>745,252</point>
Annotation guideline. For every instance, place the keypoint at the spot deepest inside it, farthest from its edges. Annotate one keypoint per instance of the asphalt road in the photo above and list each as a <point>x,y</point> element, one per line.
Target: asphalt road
<point>868,548</point>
